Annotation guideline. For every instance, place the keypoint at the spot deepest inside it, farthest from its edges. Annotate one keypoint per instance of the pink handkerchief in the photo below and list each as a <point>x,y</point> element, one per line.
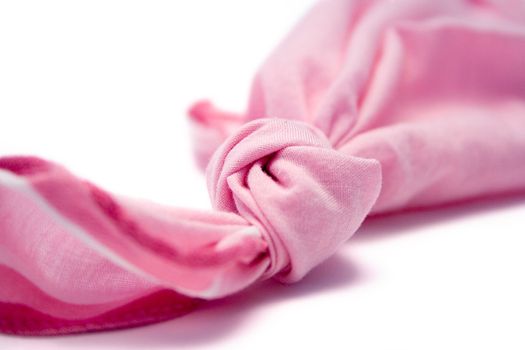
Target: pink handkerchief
<point>366,107</point>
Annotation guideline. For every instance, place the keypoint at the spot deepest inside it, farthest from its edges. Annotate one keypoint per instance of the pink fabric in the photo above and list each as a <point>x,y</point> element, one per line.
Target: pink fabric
<point>366,107</point>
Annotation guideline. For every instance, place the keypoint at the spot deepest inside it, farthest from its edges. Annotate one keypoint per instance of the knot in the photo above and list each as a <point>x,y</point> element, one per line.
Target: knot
<point>306,198</point>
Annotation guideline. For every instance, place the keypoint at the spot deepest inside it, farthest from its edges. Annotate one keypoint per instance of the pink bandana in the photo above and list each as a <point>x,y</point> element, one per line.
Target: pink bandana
<point>366,107</point>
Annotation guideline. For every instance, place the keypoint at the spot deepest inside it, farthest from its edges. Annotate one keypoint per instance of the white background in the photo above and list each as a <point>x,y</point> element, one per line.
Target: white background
<point>103,87</point>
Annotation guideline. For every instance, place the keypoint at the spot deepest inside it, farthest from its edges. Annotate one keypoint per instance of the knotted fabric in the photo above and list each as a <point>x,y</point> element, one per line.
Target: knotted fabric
<point>279,175</point>
<point>366,107</point>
